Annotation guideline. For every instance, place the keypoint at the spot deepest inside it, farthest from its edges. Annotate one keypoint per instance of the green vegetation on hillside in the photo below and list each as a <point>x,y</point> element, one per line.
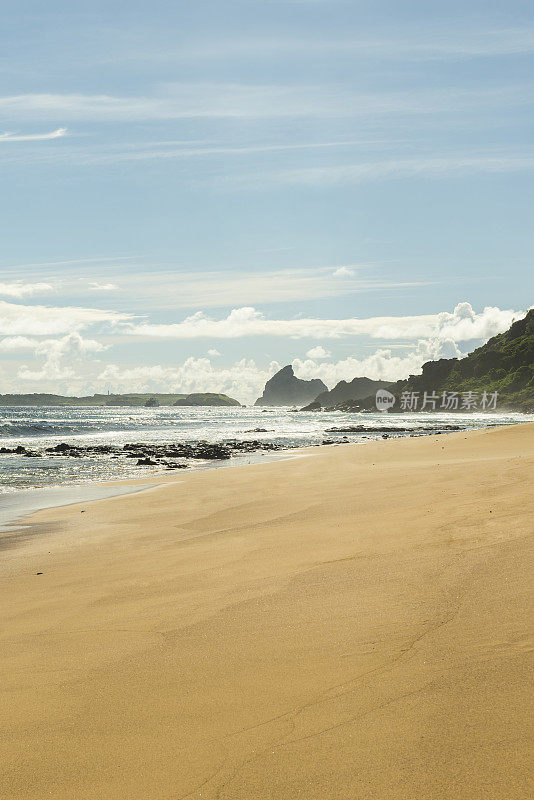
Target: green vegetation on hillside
<point>505,364</point>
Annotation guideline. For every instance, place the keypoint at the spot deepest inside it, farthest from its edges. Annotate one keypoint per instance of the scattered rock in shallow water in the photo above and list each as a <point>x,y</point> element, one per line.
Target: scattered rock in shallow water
<point>146,462</point>
<point>391,429</point>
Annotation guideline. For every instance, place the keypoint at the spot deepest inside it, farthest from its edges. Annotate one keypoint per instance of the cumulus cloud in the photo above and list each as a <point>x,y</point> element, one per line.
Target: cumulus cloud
<point>384,364</point>
<point>243,380</point>
<point>463,324</point>
<point>343,272</point>
<point>65,359</point>
<point>318,352</point>
<point>61,356</point>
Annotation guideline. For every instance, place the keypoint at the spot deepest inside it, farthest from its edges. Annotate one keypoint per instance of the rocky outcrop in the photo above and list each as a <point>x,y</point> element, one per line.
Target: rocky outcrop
<point>285,389</point>
<point>348,392</point>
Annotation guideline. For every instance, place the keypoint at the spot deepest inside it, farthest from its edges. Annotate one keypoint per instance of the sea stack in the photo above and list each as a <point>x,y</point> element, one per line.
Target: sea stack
<point>284,389</point>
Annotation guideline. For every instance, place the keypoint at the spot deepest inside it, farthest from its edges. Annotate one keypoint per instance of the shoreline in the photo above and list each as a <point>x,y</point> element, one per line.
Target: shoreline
<point>356,624</point>
<point>67,451</point>
<point>14,512</point>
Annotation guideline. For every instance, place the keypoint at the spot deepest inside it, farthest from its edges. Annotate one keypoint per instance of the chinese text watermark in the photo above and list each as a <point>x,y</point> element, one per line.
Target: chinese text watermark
<point>438,401</point>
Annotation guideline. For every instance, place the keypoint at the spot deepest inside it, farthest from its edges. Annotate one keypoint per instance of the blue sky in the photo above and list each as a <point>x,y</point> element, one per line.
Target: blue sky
<point>196,193</point>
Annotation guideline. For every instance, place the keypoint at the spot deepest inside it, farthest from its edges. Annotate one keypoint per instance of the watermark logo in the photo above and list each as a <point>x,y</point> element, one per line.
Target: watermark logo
<point>448,401</point>
<point>384,400</point>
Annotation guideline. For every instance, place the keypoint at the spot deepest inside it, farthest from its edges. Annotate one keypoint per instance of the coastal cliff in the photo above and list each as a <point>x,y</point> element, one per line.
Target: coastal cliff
<point>505,364</point>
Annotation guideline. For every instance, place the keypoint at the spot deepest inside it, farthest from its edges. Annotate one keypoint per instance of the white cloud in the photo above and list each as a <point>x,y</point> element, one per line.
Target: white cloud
<point>24,289</point>
<point>67,362</point>
<point>12,343</point>
<point>213,353</point>
<point>175,289</point>
<point>243,380</point>
<point>366,171</point>
<point>188,290</point>
<point>463,324</point>
<point>72,349</point>
<point>381,365</point>
<point>32,137</point>
<point>94,286</point>
<point>318,352</point>
<point>343,272</point>
<point>52,321</point>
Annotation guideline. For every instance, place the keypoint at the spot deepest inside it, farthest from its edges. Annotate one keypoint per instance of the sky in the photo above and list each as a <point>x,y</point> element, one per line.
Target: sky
<point>196,194</point>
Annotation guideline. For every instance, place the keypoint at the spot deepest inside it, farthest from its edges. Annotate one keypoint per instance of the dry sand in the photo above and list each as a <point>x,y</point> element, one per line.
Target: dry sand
<point>353,623</point>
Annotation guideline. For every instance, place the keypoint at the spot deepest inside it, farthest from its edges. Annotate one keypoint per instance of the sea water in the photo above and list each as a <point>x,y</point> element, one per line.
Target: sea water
<point>38,428</point>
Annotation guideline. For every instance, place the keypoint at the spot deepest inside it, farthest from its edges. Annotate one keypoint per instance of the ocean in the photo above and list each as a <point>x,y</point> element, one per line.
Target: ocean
<point>40,428</point>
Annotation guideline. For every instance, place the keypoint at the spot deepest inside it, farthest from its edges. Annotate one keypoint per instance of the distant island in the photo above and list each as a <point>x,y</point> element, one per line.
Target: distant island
<point>120,400</point>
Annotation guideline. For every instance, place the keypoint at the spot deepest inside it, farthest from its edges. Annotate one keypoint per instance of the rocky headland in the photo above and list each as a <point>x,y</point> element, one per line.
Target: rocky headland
<point>285,389</point>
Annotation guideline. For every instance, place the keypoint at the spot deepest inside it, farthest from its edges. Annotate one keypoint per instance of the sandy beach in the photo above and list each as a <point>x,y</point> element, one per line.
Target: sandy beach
<point>353,623</point>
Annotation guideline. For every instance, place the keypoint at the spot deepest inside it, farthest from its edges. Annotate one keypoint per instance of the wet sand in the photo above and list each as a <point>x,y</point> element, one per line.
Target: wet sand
<point>353,623</point>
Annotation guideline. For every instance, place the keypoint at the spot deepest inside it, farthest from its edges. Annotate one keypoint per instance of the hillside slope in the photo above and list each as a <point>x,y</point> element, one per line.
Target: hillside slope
<point>505,364</point>
<point>355,389</point>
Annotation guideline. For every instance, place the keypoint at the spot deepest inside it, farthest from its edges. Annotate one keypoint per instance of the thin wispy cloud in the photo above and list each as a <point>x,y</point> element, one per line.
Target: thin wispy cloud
<point>260,101</point>
<point>32,137</point>
<point>68,262</point>
<point>154,152</point>
<point>368,171</point>
<point>219,288</point>
<point>429,44</point>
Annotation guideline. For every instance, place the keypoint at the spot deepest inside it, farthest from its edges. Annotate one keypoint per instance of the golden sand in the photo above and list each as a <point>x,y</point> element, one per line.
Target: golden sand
<point>352,623</point>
